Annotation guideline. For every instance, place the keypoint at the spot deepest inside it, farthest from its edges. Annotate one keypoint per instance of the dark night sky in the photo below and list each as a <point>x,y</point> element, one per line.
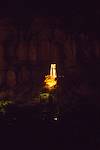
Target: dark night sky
<point>77,15</point>
<point>15,7</point>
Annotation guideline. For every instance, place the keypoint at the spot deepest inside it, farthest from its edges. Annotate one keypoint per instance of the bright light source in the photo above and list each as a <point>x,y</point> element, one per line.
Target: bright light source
<point>55,118</point>
<point>50,80</point>
<point>53,70</point>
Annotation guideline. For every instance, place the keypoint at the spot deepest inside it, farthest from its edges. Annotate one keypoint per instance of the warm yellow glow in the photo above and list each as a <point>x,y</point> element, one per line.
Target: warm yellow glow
<point>44,95</point>
<point>50,80</point>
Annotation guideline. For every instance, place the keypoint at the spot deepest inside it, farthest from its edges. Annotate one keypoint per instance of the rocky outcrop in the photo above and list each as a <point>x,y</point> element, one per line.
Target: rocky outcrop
<point>26,53</point>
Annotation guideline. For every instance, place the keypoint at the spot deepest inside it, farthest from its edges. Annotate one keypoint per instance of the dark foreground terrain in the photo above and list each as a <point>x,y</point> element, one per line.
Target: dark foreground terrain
<point>28,127</point>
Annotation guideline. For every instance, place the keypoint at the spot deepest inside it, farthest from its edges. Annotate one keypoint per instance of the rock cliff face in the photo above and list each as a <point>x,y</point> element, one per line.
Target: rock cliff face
<point>26,53</point>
